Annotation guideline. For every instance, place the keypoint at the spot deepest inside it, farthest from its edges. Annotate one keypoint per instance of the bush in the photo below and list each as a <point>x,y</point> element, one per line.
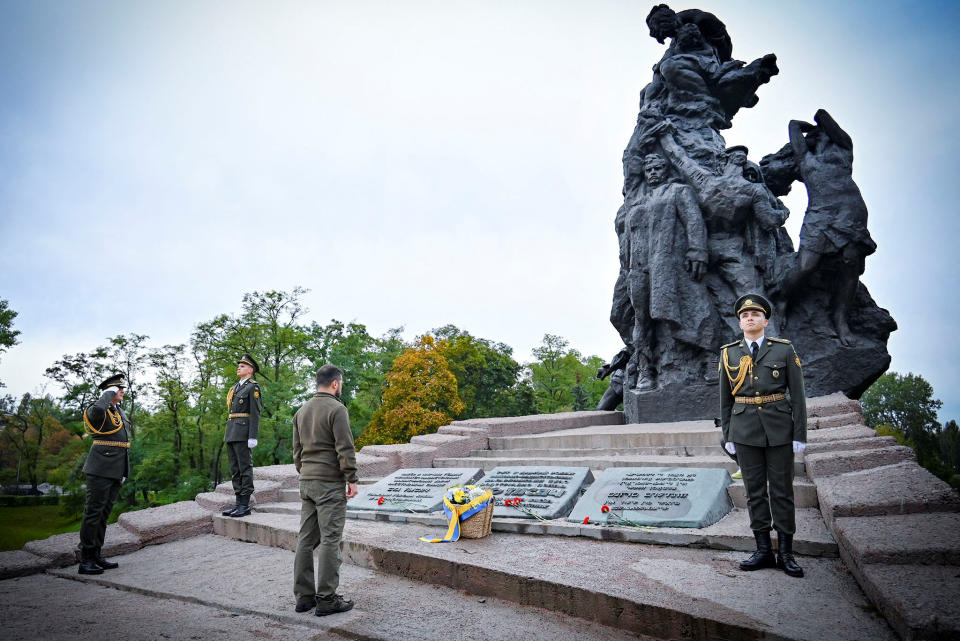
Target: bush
<point>11,500</point>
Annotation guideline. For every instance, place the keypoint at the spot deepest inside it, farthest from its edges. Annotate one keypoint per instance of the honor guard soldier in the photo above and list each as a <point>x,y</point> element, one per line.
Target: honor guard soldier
<point>244,404</point>
<point>763,413</point>
<point>106,468</point>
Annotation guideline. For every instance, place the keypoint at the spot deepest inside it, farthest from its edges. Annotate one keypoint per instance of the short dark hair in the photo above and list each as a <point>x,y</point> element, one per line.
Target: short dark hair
<point>328,374</point>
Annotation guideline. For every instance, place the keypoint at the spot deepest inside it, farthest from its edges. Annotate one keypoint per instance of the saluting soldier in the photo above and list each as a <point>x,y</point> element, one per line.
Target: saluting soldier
<point>243,424</point>
<point>106,468</point>
<point>763,412</point>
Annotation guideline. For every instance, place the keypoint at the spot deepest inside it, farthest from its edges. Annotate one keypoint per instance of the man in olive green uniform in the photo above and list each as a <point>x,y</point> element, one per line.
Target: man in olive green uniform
<point>106,468</point>
<point>326,461</point>
<point>763,412</point>
<point>243,424</point>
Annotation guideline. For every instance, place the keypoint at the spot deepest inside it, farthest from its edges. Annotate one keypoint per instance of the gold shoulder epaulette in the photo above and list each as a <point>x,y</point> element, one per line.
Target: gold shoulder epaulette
<point>730,344</point>
<point>779,340</point>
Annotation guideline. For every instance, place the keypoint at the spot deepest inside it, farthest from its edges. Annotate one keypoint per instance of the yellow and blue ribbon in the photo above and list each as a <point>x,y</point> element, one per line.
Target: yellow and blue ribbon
<point>457,513</point>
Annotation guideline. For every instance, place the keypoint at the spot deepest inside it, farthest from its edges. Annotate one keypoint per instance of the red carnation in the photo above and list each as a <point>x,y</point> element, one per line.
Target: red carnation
<point>586,520</point>
<point>517,500</point>
<point>508,502</point>
<point>604,508</point>
<point>380,500</point>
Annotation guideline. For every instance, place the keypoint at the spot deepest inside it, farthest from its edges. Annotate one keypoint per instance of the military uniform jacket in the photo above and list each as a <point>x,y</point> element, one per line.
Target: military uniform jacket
<point>244,403</point>
<point>108,460</point>
<point>776,371</point>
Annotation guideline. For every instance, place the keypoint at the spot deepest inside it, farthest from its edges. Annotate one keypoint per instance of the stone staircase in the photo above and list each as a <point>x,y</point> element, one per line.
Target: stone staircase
<point>859,496</point>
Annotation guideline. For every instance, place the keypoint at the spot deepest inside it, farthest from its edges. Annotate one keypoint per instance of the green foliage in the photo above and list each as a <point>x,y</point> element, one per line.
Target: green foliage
<point>905,408</point>
<point>8,335</point>
<point>562,379</point>
<point>488,378</point>
<point>8,500</point>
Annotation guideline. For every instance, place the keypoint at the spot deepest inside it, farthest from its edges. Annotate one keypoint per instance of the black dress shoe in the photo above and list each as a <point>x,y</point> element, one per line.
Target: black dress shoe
<point>763,557</point>
<point>785,560</point>
<point>105,564</point>
<point>89,566</point>
<point>230,510</point>
<point>305,605</point>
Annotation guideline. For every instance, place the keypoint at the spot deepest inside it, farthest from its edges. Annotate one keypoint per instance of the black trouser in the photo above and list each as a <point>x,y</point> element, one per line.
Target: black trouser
<point>102,493</point>
<point>241,467</point>
<point>773,466</point>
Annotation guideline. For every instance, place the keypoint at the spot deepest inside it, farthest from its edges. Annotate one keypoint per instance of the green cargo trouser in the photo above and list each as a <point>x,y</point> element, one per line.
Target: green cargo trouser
<point>323,509</point>
<point>773,466</point>
<point>241,467</point>
<point>102,493</point>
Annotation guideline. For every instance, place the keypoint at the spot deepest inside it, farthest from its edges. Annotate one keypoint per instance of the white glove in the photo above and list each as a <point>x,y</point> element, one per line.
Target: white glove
<point>798,447</point>
<point>251,443</point>
<point>123,480</point>
<point>730,447</point>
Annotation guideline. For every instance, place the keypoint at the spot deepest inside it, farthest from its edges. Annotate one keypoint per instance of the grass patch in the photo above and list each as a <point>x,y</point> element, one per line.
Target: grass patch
<point>22,524</point>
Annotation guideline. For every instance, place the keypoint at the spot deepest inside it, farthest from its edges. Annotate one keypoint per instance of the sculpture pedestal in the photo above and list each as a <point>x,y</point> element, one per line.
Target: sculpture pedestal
<point>673,402</point>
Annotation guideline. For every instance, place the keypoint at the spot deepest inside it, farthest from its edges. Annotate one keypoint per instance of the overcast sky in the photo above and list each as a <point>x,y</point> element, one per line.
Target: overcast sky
<point>422,163</point>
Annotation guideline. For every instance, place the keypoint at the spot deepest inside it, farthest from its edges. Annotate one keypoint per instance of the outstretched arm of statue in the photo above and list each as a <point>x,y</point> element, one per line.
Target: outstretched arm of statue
<point>832,129</point>
<point>688,168</point>
<point>797,141</point>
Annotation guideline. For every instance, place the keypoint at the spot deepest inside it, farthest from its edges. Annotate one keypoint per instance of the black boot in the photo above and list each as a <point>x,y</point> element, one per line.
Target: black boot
<point>763,557</point>
<point>785,559</point>
<point>88,565</point>
<point>104,563</point>
<point>236,506</point>
<point>243,506</point>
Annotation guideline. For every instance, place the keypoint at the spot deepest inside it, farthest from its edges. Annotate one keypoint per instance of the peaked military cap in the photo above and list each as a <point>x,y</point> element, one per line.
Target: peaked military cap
<point>248,360</point>
<point>742,148</point>
<point>753,301</point>
<point>117,380</point>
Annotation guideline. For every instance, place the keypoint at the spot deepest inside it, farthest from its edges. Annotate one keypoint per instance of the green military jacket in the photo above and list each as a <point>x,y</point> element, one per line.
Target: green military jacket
<point>244,403</point>
<point>776,371</point>
<point>107,423</point>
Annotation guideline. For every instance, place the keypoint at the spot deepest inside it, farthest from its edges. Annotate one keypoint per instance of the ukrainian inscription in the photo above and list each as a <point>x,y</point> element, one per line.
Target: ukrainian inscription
<point>656,496</point>
<point>415,489</point>
<point>547,492</point>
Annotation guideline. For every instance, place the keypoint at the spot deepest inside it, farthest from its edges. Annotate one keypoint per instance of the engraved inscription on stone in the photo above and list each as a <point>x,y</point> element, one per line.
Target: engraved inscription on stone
<point>657,496</point>
<point>548,492</point>
<point>415,489</point>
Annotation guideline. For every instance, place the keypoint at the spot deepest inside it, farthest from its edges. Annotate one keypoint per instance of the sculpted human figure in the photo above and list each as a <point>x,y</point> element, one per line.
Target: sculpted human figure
<point>740,214</point>
<point>835,223</point>
<point>668,253</point>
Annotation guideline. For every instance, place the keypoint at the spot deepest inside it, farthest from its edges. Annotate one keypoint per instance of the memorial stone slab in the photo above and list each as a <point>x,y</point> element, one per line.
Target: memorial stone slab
<point>657,497</point>
<point>547,491</point>
<point>415,489</point>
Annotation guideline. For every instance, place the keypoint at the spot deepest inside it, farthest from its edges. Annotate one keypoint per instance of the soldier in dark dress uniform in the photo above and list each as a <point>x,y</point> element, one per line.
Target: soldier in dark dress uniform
<point>244,404</point>
<point>763,412</point>
<point>106,468</point>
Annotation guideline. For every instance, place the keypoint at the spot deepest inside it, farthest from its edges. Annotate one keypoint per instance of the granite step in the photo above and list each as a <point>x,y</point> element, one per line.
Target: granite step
<point>600,462</point>
<point>681,433</point>
<point>661,450</point>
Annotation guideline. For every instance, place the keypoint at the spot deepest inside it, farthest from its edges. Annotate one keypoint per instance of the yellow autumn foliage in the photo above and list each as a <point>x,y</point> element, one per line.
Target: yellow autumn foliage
<point>419,397</point>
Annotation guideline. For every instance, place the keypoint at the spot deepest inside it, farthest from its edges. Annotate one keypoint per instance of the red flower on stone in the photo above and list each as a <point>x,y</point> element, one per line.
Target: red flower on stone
<point>508,502</point>
<point>516,500</point>
<point>586,520</point>
<point>604,508</point>
<point>380,500</point>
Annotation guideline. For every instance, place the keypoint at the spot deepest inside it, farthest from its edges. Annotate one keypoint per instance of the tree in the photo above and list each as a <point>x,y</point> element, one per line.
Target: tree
<point>563,379</point>
<point>488,378</point>
<point>23,430</point>
<point>8,335</point>
<point>78,375</point>
<point>949,442</point>
<point>420,396</point>
<point>906,405</point>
